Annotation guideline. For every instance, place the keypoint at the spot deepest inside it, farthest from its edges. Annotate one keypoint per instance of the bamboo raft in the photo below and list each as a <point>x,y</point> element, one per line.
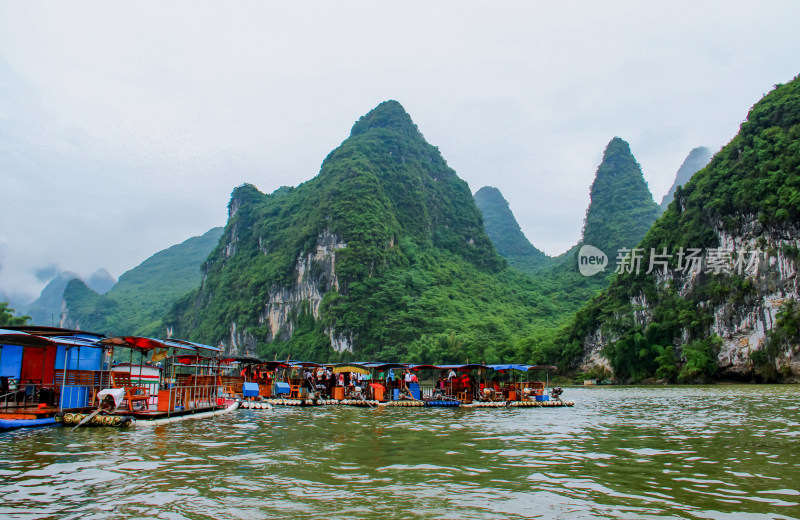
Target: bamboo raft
<point>268,404</point>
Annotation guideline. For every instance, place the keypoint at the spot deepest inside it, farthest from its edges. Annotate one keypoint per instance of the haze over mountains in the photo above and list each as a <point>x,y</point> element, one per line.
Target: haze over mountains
<point>697,159</point>
<point>141,297</point>
<point>385,254</point>
<point>47,309</point>
<point>505,233</point>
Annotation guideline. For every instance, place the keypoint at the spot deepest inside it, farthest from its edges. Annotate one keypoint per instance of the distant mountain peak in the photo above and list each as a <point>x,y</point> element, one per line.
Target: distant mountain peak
<point>101,281</point>
<point>504,231</point>
<point>390,115</point>
<point>697,159</point>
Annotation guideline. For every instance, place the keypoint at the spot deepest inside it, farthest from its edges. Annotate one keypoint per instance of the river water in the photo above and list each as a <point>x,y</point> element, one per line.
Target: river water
<point>718,452</point>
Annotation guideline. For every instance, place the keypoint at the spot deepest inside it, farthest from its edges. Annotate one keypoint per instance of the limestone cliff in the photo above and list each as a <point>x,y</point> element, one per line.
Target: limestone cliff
<point>733,313</point>
<point>743,319</point>
<point>383,254</point>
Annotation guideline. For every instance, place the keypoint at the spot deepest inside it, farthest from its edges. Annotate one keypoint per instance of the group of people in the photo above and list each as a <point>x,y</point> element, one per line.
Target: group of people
<point>451,383</point>
<point>323,380</point>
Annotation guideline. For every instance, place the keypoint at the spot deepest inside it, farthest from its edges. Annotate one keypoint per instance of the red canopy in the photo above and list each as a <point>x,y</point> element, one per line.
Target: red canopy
<point>188,359</point>
<point>134,342</point>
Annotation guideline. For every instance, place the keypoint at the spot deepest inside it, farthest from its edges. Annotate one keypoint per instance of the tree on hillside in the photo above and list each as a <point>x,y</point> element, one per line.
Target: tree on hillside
<point>7,316</point>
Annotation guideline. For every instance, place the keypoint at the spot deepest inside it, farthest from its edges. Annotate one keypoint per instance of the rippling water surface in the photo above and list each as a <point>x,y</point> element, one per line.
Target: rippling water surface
<point>719,452</point>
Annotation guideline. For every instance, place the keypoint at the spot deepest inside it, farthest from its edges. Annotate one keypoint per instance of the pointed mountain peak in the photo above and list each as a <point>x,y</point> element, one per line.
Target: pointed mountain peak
<point>621,207</point>
<point>491,193</point>
<point>390,115</point>
<point>616,155</point>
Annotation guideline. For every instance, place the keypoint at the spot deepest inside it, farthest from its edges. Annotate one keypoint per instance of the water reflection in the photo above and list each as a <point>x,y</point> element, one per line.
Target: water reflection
<point>693,452</point>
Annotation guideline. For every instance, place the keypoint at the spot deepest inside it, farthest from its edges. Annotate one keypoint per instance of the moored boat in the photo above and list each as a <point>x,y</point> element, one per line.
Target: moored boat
<point>46,370</point>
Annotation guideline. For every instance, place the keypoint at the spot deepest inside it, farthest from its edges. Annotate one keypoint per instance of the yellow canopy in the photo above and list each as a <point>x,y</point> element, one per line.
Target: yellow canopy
<point>359,370</point>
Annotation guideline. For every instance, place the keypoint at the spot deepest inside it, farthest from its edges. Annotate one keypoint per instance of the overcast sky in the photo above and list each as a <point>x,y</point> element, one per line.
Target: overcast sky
<point>124,126</point>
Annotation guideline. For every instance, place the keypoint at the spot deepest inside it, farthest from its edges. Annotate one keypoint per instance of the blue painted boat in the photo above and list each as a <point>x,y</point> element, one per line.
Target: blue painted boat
<point>7,424</point>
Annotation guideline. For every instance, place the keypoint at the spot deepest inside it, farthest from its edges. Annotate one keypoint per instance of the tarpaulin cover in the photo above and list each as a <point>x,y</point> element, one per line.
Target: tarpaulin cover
<point>117,393</point>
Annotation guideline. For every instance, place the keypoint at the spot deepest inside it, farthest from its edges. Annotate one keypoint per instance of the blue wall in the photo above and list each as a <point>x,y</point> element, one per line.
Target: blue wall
<point>10,361</point>
<point>78,358</point>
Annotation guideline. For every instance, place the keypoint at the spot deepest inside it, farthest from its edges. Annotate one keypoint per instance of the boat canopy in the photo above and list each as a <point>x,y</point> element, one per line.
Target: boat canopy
<point>350,368</point>
<point>273,365</point>
<point>542,367</point>
<point>242,359</point>
<point>15,337</point>
<point>416,368</point>
<point>187,359</point>
<point>134,342</point>
<point>385,366</point>
<point>303,364</point>
<point>464,368</point>
<point>503,368</point>
<point>37,330</point>
<point>182,343</point>
<point>178,344</point>
<point>75,341</point>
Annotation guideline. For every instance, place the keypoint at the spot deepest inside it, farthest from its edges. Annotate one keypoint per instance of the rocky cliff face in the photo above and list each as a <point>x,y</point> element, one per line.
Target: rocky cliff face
<point>315,274</point>
<point>736,313</point>
<point>769,264</point>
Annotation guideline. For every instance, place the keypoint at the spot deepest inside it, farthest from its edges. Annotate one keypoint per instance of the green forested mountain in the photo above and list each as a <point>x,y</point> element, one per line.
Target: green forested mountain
<point>46,309</point>
<point>620,211</point>
<point>137,302</point>
<point>697,159</point>
<point>505,233</point>
<point>735,312</point>
<point>621,208</point>
<point>382,255</point>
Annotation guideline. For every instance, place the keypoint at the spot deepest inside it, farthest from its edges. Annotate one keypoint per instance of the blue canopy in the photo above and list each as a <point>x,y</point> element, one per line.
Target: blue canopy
<point>521,368</point>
